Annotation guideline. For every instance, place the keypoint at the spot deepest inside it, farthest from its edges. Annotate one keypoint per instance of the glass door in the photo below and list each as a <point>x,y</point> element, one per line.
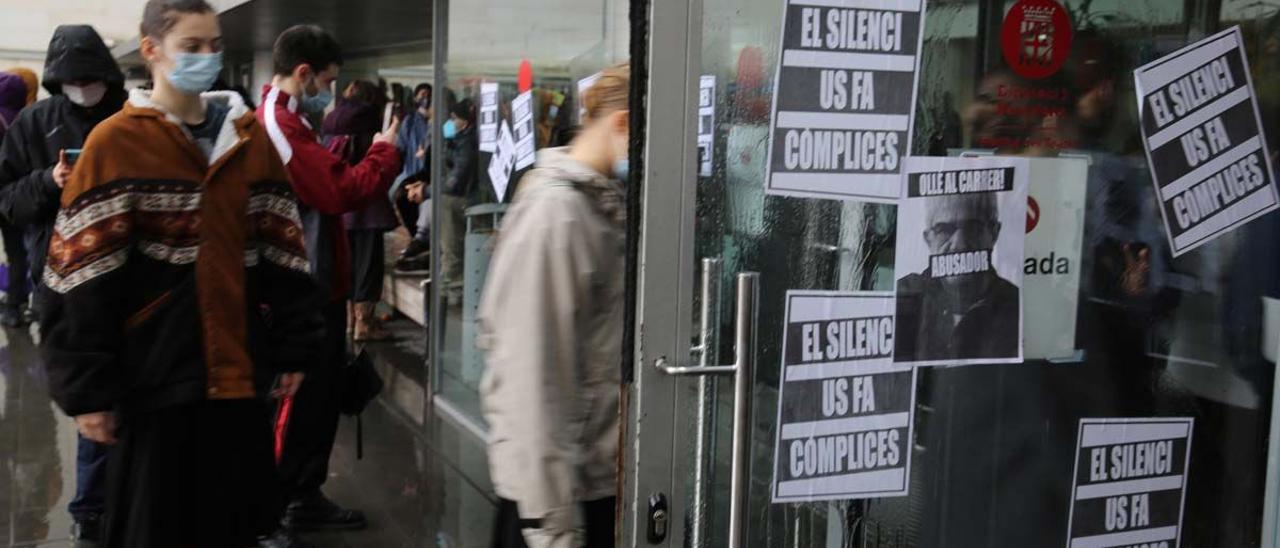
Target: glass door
<point>1136,332</point>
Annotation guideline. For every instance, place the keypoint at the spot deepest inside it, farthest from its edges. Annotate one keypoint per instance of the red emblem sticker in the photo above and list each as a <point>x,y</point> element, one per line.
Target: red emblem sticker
<point>1036,38</point>
<point>1033,214</point>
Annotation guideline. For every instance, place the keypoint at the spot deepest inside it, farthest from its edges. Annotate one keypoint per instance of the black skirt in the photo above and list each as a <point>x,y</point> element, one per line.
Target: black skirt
<point>368,264</point>
<point>200,475</point>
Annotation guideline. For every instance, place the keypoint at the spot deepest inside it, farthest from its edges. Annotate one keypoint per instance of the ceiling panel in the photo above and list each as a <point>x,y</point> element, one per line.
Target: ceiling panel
<point>367,26</point>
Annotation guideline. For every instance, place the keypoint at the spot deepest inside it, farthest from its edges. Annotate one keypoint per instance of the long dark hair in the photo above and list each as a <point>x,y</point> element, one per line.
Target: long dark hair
<point>363,91</point>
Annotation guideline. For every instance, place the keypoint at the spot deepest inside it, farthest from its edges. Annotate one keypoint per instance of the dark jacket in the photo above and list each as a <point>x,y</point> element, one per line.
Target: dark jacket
<point>929,329</point>
<point>464,163</point>
<point>174,277</point>
<point>28,195</point>
<point>13,96</point>
<point>352,126</point>
<point>327,186</point>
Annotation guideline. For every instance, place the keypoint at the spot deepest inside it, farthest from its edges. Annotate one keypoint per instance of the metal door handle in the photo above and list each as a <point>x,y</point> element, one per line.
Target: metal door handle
<point>708,334</point>
<point>707,417</point>
<point>743,368</point>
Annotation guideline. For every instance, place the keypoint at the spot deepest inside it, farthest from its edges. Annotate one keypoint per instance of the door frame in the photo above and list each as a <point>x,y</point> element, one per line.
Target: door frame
<point>654,454</point>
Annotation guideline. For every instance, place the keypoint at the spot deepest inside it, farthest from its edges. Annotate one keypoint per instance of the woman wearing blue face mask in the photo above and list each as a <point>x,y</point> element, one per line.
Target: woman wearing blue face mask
<point>178,236</point>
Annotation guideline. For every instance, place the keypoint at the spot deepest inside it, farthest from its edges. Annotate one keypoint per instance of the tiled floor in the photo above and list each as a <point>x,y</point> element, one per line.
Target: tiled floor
<point>37,456</point>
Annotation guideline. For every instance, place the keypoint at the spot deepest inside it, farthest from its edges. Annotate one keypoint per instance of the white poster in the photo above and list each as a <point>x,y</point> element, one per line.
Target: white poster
<point>706,124</point>
<point>584,85</point>
<point>844,98</point>
<point>1203,134</point>
<point>502,162</point>
<point>523,130</point>
<point>1130,482</point>
<point>488,116</point>
<point>1054,243</point>
<point>845,410</point>
<point>1055,240</point>
<point>959,261</point>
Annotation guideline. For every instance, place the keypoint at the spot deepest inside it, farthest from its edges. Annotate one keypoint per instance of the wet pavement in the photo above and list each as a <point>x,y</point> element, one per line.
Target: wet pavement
<point>37,451</point>
<point>37,465</point>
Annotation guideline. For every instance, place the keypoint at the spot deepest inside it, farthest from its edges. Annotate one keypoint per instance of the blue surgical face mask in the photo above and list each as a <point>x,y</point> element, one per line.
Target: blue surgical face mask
<point>621,169</point>
<point>450,129</point>
<point>316,104</point>
<point>195,73</point>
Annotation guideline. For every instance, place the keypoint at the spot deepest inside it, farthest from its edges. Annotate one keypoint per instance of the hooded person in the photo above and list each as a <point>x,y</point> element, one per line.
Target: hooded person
<point>86,87</point>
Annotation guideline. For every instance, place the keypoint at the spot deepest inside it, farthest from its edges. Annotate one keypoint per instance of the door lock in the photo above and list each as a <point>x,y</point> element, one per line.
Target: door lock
<point>659,519</point>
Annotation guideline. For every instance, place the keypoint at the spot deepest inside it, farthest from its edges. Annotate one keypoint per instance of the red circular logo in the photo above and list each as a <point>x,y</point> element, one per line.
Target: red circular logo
<point>1033,214</point>
<point>1036,38</point>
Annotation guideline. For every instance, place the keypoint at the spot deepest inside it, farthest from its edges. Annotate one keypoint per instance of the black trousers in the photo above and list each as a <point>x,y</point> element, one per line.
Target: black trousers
<point>313,422</point>
<point>368,264</point>
<point>408,213</point>
<point>599,517</point>
<point>193,475</point>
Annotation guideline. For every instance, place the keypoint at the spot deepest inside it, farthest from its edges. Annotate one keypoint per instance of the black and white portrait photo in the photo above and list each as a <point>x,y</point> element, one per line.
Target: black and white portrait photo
<point>961,230</point>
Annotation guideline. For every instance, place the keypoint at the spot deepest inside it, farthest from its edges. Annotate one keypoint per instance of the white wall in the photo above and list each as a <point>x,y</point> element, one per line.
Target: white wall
<point>25,26</point>
<point>491,36</point>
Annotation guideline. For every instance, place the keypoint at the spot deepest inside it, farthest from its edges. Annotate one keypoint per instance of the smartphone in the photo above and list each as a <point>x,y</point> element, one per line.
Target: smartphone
<point>73,154</point>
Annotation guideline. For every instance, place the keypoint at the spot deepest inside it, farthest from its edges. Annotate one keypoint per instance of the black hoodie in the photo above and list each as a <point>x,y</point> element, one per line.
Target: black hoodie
<point>28,196</point>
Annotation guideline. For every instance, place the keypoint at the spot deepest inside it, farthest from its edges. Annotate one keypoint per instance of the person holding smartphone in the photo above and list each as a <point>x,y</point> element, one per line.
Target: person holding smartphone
<point>177,295</point>
<point>307,60</point>
<point>86,86</point>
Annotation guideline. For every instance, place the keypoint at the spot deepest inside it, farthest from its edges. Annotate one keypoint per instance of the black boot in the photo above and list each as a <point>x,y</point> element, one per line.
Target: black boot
<point>315,512</point>
<point>415,248</point>
<point>416,257</point>
<point>283,538</point>
<point>86,532</point>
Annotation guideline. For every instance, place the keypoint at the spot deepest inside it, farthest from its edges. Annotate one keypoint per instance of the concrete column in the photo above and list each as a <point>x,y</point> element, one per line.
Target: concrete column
<point>262,72</point>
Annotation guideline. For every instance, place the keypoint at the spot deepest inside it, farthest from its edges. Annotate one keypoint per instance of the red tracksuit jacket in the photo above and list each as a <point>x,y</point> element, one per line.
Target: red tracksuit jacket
<point>326,185</point>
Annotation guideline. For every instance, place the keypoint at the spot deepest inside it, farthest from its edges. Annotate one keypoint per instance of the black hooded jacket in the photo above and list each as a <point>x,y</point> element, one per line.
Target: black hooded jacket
<point>29,198</point>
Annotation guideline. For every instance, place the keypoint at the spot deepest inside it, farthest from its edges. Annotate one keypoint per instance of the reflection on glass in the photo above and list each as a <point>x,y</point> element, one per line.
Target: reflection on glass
<point>1154,336</point>
<point>536,53</point>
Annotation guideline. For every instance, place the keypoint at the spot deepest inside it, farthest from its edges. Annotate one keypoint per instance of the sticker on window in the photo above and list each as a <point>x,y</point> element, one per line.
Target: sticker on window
<point>706,124</point>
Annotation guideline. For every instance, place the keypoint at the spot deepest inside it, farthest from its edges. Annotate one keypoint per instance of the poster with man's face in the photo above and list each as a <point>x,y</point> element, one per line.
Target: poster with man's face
<point>959,262</point>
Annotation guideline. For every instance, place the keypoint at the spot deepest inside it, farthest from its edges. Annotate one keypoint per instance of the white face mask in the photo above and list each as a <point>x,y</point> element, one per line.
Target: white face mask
<point>85,96</point>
